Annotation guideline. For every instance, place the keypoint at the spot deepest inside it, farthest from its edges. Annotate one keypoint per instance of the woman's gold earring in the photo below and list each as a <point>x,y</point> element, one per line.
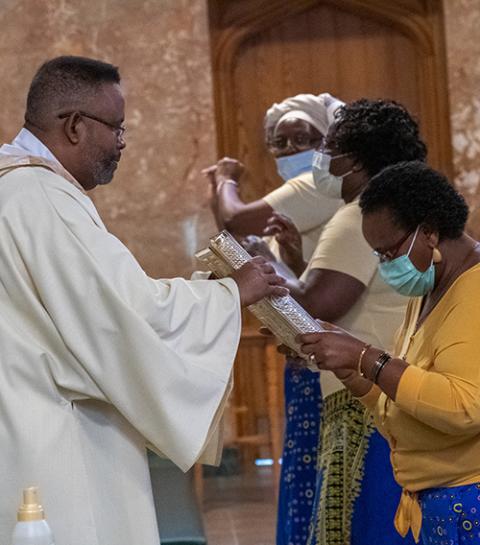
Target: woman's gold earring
<point>437,256</point>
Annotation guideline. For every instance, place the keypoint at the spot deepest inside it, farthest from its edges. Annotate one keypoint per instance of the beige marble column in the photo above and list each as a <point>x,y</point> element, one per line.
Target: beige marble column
<point>462,21</point>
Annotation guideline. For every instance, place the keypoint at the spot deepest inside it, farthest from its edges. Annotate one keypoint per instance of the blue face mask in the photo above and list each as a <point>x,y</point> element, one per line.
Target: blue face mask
<point>402,275</point>
<point>292,166</point>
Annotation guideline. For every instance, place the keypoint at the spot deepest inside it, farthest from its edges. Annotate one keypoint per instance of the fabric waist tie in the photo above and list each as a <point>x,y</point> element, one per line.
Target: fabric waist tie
<point>408,515</point>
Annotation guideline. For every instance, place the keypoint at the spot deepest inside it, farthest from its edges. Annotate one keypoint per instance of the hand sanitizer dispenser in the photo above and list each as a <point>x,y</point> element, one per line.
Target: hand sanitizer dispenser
<point>31,528</point>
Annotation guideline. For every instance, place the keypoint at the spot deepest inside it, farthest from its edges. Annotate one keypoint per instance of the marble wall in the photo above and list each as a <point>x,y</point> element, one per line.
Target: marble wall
<point>157,203</point>
<point>462,20</point>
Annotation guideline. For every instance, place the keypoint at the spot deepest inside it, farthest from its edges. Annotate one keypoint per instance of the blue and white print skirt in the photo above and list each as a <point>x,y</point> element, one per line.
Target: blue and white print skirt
<point>451,516</point>
<point>303,403</point>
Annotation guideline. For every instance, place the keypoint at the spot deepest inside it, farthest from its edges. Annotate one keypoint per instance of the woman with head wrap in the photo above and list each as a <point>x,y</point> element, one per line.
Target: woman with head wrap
<point>293,128</point>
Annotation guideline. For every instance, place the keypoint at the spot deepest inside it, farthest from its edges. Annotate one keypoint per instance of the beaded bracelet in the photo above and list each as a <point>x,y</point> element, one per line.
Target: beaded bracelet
<point>360,359</point>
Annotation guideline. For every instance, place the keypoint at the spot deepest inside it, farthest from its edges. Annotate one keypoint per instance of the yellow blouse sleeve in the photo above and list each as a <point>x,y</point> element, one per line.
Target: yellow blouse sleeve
<point>446,395</point>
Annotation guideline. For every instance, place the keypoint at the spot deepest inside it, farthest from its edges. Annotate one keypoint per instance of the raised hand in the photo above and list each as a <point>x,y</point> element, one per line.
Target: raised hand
<point>229,169</point>
<point>209,173</point>
<point>289,240</point>
<point>256,280</point>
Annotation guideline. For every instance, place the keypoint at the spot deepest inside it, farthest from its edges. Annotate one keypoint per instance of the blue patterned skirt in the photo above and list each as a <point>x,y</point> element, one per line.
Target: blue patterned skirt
<point>451,516</point>
<point>298,476</point>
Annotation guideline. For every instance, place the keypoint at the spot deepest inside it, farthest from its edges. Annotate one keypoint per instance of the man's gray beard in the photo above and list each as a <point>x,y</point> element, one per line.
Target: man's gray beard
<point>103,171</point>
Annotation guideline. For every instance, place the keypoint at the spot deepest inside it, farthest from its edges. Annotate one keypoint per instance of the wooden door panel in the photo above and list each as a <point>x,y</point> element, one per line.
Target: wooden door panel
<point>324,49</point>
<point>367,48</point>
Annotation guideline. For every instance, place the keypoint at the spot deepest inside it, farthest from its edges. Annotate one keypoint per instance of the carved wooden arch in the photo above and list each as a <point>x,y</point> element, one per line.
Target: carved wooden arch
<point>420,20</point>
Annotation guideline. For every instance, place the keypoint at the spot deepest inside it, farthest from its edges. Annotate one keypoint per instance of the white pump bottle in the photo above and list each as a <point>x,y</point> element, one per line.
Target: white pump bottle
<point>31,528</point>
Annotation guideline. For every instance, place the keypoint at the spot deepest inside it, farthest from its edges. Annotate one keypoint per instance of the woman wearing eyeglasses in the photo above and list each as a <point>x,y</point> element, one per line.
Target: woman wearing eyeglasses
<point>426,395</point>
<point>293,128</point>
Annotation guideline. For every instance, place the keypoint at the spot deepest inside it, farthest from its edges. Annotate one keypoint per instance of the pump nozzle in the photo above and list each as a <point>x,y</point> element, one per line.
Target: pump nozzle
<point>31,508</point>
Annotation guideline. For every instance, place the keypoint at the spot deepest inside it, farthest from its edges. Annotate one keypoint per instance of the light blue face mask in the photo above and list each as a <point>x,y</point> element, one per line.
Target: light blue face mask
<point>292,166</point>
<point>402,275</point>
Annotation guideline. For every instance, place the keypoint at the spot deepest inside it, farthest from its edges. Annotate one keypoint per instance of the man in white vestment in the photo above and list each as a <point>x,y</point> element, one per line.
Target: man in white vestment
<point>96,358</point>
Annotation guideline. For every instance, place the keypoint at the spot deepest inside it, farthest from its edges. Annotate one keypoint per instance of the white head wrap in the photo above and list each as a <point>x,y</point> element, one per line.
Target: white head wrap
<point>310,108</point>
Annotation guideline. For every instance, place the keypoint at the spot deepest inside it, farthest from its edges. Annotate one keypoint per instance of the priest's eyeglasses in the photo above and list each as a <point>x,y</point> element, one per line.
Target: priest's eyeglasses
<point>119,130</point>
<point>391,253</point>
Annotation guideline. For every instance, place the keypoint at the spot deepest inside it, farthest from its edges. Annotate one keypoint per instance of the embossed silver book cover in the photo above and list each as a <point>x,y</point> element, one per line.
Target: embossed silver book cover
<point>282,315</point>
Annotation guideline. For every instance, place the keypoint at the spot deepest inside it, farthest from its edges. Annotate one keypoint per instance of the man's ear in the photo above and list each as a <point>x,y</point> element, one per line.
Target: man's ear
<point>73,128</point>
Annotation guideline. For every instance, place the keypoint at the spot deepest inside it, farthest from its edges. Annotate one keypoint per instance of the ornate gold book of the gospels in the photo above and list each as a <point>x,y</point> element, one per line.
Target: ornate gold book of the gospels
<point>283,316</point>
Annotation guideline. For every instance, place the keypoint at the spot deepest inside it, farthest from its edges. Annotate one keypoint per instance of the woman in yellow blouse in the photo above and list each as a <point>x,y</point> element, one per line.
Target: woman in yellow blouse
<point>426,398</point>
